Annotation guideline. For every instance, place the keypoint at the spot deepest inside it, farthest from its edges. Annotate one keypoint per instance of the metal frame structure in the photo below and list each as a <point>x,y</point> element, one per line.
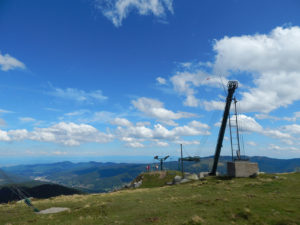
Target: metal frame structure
<point>161,159</point>
<point>232,85</point>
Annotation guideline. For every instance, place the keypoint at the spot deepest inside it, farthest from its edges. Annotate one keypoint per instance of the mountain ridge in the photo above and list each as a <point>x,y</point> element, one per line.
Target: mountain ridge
<point>96,177</point>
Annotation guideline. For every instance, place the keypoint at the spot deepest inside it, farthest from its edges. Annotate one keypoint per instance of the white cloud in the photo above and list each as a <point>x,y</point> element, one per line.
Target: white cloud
<point>251,143</point>
<point>161,80</point>
<point>272,59</point>
<point>297,114</point>
<point>194,142</point>
<point>185,83</point>
<point>77,113</point>
<point>293,118</point>
<point>59,153</point>
<point>26,119</point>
<point>249,124</point>
<point>186,64</point>
<point>121,122</point>
<point>161,143</point>
<point>69,134</point>
<point>118,10</point>
<point>293,128</point>
<point>160,134</point>
<point>213,105</point>
<point>72,134</point>
<point>135,145</point>
<point>102,117</point>
<point>263,116</point>
<point>78,95</point>
<point>5,111</point>
<point>18,135</point>
<point>4,136</point>
<point>8,62</point>
<point>155,109</point>
<point>281,148</point>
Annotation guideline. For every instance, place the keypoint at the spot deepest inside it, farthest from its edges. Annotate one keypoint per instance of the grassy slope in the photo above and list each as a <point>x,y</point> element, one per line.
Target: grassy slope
<point>262,200</point>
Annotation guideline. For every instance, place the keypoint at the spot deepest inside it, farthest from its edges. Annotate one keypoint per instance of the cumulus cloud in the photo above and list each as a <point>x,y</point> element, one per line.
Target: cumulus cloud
<point>293,128</point>
<point>159,134</point>
<point>155,109</point>
<point>161,143</point>
<point>135,145</point>
<point>263,116</point>
<point>4,136</point>
<point>134,135</point>
<point>282,148</point>
<point>185,83</point>
<point>69,134</point>
<point>78,95</point>
<point>8,62</point>
<point>213,105</point>
<point>272,59</point>
<point>118,10</point>
<point>249,124</point>
<point>161,80</point>
<point>121,122</point>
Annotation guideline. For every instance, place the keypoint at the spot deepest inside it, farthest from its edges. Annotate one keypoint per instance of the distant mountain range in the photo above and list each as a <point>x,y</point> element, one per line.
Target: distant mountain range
<point>102,177</point>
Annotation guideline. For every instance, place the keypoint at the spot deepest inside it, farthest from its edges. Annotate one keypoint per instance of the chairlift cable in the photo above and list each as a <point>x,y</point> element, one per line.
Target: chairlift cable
<point>21,194</point>
<point>221,81</point>
<point>242,136</point>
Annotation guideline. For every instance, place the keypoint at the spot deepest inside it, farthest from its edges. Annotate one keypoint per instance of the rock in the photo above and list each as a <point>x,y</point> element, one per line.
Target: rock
<point>184,180</point>
<point>53,210</point>
<point>127,186</point>
<point>137,184</point>
<point>275,177</point>
<point>177,179</point>
<point>192,176</point>
<point>169,183</point>
<point>203,174</point>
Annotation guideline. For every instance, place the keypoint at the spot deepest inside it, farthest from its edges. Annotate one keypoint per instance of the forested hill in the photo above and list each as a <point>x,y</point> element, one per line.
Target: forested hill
<point>10,193</point>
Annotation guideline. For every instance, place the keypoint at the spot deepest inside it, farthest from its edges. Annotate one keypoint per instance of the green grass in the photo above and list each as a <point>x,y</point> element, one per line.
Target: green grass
<point>261,200</point>
<point>157,179</point>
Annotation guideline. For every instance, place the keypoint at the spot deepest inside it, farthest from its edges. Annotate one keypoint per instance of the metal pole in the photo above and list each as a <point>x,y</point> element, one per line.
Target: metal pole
<point>161,164</point>
<point>230,138</point>
<point>237,130</point>
<point>182,172</point>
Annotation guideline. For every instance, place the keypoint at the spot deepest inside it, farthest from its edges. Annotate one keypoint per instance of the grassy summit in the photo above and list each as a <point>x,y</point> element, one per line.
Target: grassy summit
<point>267,199</point>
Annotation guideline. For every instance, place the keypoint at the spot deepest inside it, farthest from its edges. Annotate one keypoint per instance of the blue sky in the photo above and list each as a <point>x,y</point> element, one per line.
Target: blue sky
<point>99,78</point>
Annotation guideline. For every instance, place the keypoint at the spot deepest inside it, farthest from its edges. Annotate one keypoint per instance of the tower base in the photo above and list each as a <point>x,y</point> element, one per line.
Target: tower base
<point>242,169</point>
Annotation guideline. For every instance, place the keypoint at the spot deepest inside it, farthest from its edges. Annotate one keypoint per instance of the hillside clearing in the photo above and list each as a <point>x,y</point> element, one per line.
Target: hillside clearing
<point>267,199</point>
